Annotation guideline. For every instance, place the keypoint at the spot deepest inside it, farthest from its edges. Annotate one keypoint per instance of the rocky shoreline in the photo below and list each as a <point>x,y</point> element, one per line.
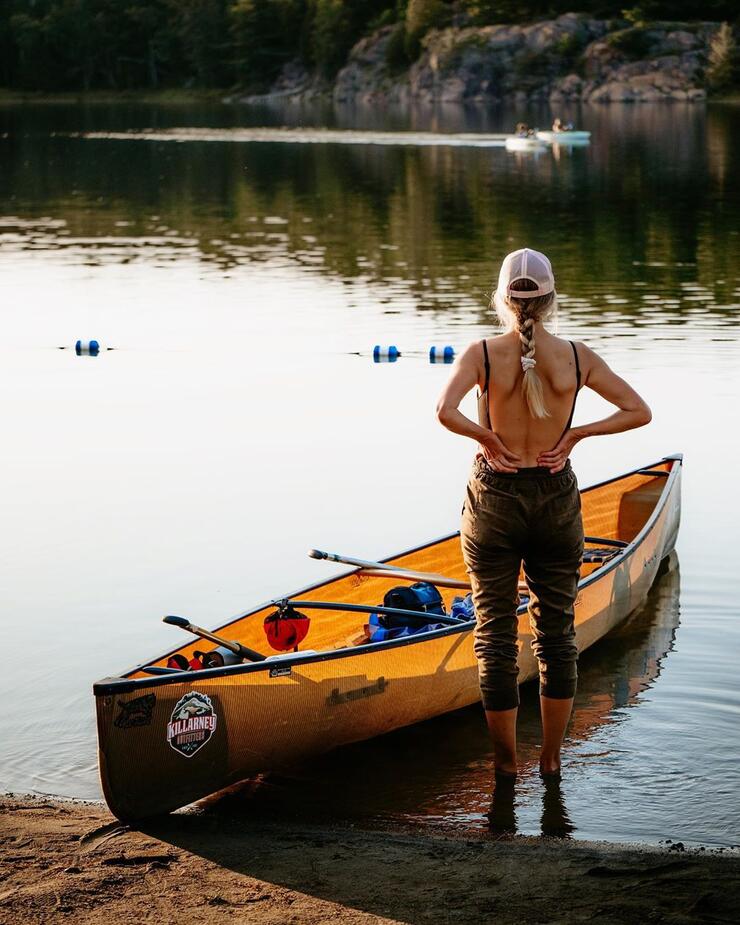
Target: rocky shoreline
<point>66,861</point>
<point>570,58</point>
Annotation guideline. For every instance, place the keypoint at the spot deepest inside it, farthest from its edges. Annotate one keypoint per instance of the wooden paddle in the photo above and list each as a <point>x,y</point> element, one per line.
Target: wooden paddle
<point>249,655</point>
<point>386,570</point>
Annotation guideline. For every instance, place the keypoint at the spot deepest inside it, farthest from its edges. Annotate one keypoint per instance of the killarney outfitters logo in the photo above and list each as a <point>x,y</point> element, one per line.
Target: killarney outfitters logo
<point>192,723</point>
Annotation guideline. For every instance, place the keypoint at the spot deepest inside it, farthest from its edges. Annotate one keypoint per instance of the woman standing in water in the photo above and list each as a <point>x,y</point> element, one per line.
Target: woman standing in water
<point>523,503</point>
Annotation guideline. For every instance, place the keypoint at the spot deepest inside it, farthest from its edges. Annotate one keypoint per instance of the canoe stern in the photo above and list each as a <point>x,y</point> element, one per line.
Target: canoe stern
<point>160,749</point>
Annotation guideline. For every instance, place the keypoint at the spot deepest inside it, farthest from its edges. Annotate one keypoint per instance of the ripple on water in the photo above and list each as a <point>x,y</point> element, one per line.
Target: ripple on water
<point>191,254</point>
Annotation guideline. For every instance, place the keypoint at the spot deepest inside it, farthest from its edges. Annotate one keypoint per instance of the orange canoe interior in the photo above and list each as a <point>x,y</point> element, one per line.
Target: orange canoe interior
<point>617,510</point>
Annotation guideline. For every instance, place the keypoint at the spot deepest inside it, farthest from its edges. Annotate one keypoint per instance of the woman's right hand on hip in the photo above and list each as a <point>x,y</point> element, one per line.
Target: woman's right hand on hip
<point>499,457</point>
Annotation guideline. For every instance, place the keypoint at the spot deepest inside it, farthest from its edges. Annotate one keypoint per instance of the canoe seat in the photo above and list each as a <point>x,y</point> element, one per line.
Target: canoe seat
<point>599,555</point>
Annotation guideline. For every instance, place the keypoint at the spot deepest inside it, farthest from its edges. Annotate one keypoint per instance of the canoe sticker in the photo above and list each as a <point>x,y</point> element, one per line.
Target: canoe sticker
<point>281,671</point>
<point>192,723</point>
<point>136,712</point>
<point>357,694</point>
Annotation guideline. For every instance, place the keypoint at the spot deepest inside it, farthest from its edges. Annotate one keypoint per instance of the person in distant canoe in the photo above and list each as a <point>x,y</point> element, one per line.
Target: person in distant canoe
<point>522,130</point>
<point>559,126</point>
<point>523,504</point>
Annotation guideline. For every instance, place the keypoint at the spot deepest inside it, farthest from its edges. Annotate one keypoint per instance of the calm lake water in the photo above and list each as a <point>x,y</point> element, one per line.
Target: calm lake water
<point>243,278</point>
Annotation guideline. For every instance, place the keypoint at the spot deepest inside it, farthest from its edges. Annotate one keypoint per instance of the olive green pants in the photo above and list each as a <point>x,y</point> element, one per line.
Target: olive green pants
<point>529,517</point>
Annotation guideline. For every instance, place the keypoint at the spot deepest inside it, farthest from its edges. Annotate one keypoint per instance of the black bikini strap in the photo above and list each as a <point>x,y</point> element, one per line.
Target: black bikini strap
<point>487,365</point>
<point>578,371</point>
<point>578,388</point>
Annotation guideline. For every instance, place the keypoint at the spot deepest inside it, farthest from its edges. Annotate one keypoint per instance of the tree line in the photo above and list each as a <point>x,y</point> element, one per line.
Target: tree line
<point>71,45</point>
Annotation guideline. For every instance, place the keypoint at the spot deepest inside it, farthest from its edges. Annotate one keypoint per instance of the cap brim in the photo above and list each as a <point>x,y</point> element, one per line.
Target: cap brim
<point>528,293</point>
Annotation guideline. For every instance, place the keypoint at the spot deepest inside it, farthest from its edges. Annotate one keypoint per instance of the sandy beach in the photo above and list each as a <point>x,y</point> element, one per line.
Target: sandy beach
<point>73,861</point>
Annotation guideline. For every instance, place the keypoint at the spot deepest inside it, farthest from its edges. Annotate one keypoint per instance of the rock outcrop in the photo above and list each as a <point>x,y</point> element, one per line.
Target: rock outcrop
<point>572,57</point>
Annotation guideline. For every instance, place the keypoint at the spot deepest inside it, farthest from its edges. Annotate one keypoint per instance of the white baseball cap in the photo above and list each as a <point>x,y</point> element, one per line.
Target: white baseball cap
<point>525,264</point>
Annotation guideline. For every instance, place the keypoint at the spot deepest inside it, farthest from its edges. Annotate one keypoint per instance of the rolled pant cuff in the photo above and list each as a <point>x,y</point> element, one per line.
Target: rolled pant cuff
<point>559,690</point>
<point>500,700</point>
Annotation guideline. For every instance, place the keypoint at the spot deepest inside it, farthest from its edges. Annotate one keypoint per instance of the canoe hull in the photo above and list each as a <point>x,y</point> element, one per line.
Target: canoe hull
<point>514,143</point>
<point>167,742</point>
<point>565,138</point>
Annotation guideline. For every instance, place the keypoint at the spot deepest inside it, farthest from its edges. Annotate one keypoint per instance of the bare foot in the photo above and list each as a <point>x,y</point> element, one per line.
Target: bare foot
<point>550,765</point>
<point>504,761</point>
<point>505,770</point>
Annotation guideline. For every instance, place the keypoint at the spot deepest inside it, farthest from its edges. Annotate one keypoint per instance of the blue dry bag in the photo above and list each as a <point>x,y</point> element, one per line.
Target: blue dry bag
<point>421,597</point>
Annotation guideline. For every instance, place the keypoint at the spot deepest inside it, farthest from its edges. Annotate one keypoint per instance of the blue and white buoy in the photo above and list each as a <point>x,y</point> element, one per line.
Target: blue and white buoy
<point>87,348</point>
<point>441,354</point>
<point>385,354</point>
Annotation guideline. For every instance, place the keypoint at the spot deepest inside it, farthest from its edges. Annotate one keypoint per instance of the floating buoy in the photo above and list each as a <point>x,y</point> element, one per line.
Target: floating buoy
<point>441,354</point>
<point>386,354</point>
<point>87,348</point>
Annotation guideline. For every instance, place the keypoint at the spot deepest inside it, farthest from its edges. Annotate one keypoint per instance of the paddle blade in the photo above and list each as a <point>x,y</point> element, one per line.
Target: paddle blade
<point>182,622</point>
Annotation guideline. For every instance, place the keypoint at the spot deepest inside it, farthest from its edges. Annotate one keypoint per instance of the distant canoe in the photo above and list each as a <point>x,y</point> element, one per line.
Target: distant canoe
<point>170,739</point>
<point>524,143</point>
<point>565,138</point>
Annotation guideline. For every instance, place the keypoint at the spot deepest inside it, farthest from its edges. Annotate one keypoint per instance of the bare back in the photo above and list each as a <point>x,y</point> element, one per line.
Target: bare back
<point>510,435</point>
<point>506,404</point>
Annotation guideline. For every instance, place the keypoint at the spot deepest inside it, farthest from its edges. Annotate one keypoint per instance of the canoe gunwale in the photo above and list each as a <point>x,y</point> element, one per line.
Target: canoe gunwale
<point>123,685</point>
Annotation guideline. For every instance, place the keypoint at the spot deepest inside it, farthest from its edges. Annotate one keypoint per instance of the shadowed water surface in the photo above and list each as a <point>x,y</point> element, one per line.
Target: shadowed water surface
<point>243,277</point>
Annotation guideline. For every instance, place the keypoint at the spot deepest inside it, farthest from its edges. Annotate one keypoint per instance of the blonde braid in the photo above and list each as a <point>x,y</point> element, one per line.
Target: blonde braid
<point>521,315</point>
<point>526,336</point>
<point>531,383</point>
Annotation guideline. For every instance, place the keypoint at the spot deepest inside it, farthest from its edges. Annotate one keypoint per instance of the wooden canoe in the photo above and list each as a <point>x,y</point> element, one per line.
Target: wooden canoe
<point>168,740</point>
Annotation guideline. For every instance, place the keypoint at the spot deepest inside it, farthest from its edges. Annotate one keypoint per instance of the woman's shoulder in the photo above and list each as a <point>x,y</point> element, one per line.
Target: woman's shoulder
<point>478,348</point>
<point>583,350</point>
<point>497,342</point>
<point>588,359</point>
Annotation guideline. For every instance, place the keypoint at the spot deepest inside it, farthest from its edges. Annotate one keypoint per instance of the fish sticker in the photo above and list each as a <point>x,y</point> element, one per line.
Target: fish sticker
<point>136,712</point>
<point>192,724</point>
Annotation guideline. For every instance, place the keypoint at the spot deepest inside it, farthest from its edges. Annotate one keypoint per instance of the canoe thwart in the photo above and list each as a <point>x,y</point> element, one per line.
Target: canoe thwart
<point>419,615</point>
<point>602,541</point>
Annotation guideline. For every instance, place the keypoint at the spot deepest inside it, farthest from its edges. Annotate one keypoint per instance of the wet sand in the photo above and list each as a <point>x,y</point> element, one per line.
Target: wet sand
<point>72,861</point>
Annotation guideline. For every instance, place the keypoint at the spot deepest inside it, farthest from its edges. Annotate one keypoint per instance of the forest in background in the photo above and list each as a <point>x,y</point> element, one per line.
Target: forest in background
<point>81,45</point>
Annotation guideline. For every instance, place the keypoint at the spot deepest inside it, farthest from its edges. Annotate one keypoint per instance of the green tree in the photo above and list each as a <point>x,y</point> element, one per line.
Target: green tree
<point>202,29</point>
<point>332,35</point>
<point>120,44</point>
<point>722,63</point>
<point>265,34</point>
<point>488,12</point>
<point>335,26</point>
<point>421,16</point>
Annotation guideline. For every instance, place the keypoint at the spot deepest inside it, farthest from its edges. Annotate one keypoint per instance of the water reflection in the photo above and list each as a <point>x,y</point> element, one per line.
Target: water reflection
<point>636,224</point>
<point>555,821</point>
<point>227,274</point>
<point>502,815</point>
<point>438,774</point>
